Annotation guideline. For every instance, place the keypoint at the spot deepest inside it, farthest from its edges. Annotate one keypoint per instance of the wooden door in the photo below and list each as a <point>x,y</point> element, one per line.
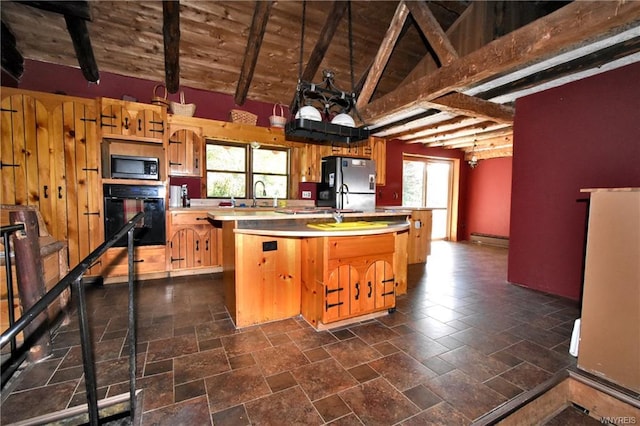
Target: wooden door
<point>380,274</point>
<point>149,123</point>
<point>185,147</point>
<point>186,249</point>
<point>337,289</point>
<point>27,172</point>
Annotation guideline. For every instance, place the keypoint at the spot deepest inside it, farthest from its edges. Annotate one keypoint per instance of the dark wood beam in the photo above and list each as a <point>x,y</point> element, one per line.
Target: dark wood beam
<point>256,34</point>
<point>432,31</point>
<point>384,52</point>
<point>573,26</point>
<point>77,28</point>
<point>76,9</point>
<point>324,40</point>
<point>12,60</point>
<point>461,104</point>
<point>171,36</point>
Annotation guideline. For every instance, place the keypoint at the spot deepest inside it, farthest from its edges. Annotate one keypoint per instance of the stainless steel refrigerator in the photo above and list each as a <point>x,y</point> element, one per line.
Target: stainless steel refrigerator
<point>348,183</point>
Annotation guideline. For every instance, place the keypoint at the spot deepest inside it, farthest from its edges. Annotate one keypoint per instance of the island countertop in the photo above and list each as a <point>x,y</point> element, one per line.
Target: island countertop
<point>312,223</point>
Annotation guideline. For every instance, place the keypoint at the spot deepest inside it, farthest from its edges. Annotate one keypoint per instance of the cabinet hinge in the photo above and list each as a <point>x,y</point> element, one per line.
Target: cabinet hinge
<point>332,305</point>
<point>389,280</point>
<point>333,290</point>
<point>8,110</point>
<point>161,123</point>
<point>176,142</point>
<point>176,259</point>
<point>95,120</point>
<point>91,213</point>
<point>87,169</point>
<point>8,165</point>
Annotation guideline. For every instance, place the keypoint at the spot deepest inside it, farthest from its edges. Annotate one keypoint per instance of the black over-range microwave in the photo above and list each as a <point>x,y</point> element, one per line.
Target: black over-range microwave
<point>132,167</point>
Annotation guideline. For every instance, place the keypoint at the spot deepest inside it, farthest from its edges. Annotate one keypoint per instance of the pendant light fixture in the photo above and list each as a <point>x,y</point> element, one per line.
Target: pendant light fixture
<point>473,162</point>
<point>321,112</point>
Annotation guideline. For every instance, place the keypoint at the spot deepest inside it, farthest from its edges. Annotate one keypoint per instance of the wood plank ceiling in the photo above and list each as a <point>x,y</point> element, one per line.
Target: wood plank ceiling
<point>442,73</point>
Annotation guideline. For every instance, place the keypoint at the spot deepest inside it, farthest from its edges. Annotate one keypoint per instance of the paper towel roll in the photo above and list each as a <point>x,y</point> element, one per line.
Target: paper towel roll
<point>175,196</point>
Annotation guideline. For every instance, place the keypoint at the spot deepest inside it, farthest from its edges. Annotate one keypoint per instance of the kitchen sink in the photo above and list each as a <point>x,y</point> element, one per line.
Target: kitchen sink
<point>336,226</point>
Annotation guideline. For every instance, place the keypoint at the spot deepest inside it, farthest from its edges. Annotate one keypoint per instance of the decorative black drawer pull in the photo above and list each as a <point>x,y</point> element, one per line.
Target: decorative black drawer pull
<point>176,142</point>
<point>370,289</point>
<point>59,192</point>
<point>86,169</point>
<point>126,123</point>
<point>197,245</point>
<point>91,213</point>
<point>333,290</point>
<point>139,125</point>
<point>171,163</point>
<point>46,191</point>
<point>201,218</point>
<point>357,296</point>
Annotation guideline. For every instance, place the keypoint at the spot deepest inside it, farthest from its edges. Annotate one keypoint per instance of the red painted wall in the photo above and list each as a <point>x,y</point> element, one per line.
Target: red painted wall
<point>50,78</point>
<point>489,198</point>
<point>584,134</point>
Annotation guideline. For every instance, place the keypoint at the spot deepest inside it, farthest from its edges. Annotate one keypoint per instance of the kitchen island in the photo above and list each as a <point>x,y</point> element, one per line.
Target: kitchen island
<point>328,266</point>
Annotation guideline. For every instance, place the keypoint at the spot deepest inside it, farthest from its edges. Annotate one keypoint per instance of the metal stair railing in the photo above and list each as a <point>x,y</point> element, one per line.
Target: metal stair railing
<point>74,277</point>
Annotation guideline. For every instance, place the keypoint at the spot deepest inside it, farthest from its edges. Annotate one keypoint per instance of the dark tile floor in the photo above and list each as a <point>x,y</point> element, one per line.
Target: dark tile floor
<point>462,342</point>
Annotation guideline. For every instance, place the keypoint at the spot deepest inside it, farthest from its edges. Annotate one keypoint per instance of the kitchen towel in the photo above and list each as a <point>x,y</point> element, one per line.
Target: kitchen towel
<point>131,208</point>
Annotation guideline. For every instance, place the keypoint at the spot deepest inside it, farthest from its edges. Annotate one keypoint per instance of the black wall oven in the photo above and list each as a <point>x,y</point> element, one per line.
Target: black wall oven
<point>123,202</point>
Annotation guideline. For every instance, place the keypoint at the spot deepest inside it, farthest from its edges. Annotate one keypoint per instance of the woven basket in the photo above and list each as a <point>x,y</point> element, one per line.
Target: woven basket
<point>244,117</point>
<point>181,108</point>
<point>158,100</point>
<point>277,119</point>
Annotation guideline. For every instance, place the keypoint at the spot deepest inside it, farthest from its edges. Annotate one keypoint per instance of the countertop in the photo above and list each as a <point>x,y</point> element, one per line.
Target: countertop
<point>278,224</point>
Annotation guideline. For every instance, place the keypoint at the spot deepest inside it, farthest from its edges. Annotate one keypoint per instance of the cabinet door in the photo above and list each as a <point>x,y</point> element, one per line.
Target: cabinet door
<point>186,249</point>
<point>185,147</point>
<point>149,123</point>
<point>310,161</point>
<point>74,135</point>
<point>380,276</point>
<point>115,120</point>
<point>378,147</point>
<point>210,237</point>
<point>337,290</point>
<point>27,173</point>
<point>133,119</point>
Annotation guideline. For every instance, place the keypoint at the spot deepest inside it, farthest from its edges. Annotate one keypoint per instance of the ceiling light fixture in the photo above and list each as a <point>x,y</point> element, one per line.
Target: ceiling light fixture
<point>321,112</point>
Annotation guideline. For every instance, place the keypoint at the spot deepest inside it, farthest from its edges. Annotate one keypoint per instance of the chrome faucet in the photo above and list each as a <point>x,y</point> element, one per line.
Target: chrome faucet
<point>255,190</point>
<point>346,193</point>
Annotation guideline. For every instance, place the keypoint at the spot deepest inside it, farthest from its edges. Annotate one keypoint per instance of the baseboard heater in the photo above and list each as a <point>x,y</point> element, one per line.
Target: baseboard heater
<point>491,240</point>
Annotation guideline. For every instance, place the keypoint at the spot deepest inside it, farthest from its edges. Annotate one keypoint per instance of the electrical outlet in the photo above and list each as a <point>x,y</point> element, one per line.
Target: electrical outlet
<point>306,194</point>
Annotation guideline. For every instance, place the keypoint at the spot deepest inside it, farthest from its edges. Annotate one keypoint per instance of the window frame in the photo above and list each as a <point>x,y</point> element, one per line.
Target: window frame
<point>248,172</point>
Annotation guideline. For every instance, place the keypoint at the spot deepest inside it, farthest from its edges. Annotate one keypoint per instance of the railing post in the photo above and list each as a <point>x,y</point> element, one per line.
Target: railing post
<point>87,354</point>
<point>6,237</point>
<point>132,328</point>
<point>30,279</point>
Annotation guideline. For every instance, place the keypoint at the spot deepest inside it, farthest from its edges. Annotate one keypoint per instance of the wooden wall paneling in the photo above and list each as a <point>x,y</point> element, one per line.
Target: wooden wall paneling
<point>7,155</point>
<point>400,261</point>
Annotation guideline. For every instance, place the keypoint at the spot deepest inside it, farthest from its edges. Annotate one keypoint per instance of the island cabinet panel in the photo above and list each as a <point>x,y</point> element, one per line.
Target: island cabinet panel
<point>346,277</point>
<point>420,235</point>
<point>267,279</point>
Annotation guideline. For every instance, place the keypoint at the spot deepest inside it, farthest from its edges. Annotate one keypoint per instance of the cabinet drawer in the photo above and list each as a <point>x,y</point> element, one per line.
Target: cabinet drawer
<point>365,245</point>
<point>148,259</point>
<point>198,217</point>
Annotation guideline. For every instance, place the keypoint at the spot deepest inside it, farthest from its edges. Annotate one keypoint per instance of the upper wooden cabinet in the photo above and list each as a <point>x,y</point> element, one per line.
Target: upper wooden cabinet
<point>132,119</point>
<point>186,145</point>
<point>311,157</point>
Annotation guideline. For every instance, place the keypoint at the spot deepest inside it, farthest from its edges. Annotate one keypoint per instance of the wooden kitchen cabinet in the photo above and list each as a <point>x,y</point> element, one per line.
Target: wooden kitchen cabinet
<point>147,259</point>
<point>311,161</point>
<point>267,279</point>
<point>194,242</point>
<point>185,152</point>
<point>378,149</point>
<point>346,277</point>
<point>419,235</point>
<point>50,160</point>
<point>132,119</point>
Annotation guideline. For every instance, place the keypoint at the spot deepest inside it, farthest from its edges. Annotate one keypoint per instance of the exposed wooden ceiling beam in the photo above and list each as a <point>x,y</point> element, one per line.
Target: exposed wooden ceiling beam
<point>432,31</point>
<point>12,60</point>
<point>254,42</point>
<point>459,103</point>
<point>572,26</point>
<point>428,129</point>
<point>463,130</point>
<point>465,139</point>
<point>324,40</point>
<point>79,33</point>
<point>504,149</point>
<point>384,52</point>
<point>76,14</point>
<point>77,9</point>
<point>171,37</point>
